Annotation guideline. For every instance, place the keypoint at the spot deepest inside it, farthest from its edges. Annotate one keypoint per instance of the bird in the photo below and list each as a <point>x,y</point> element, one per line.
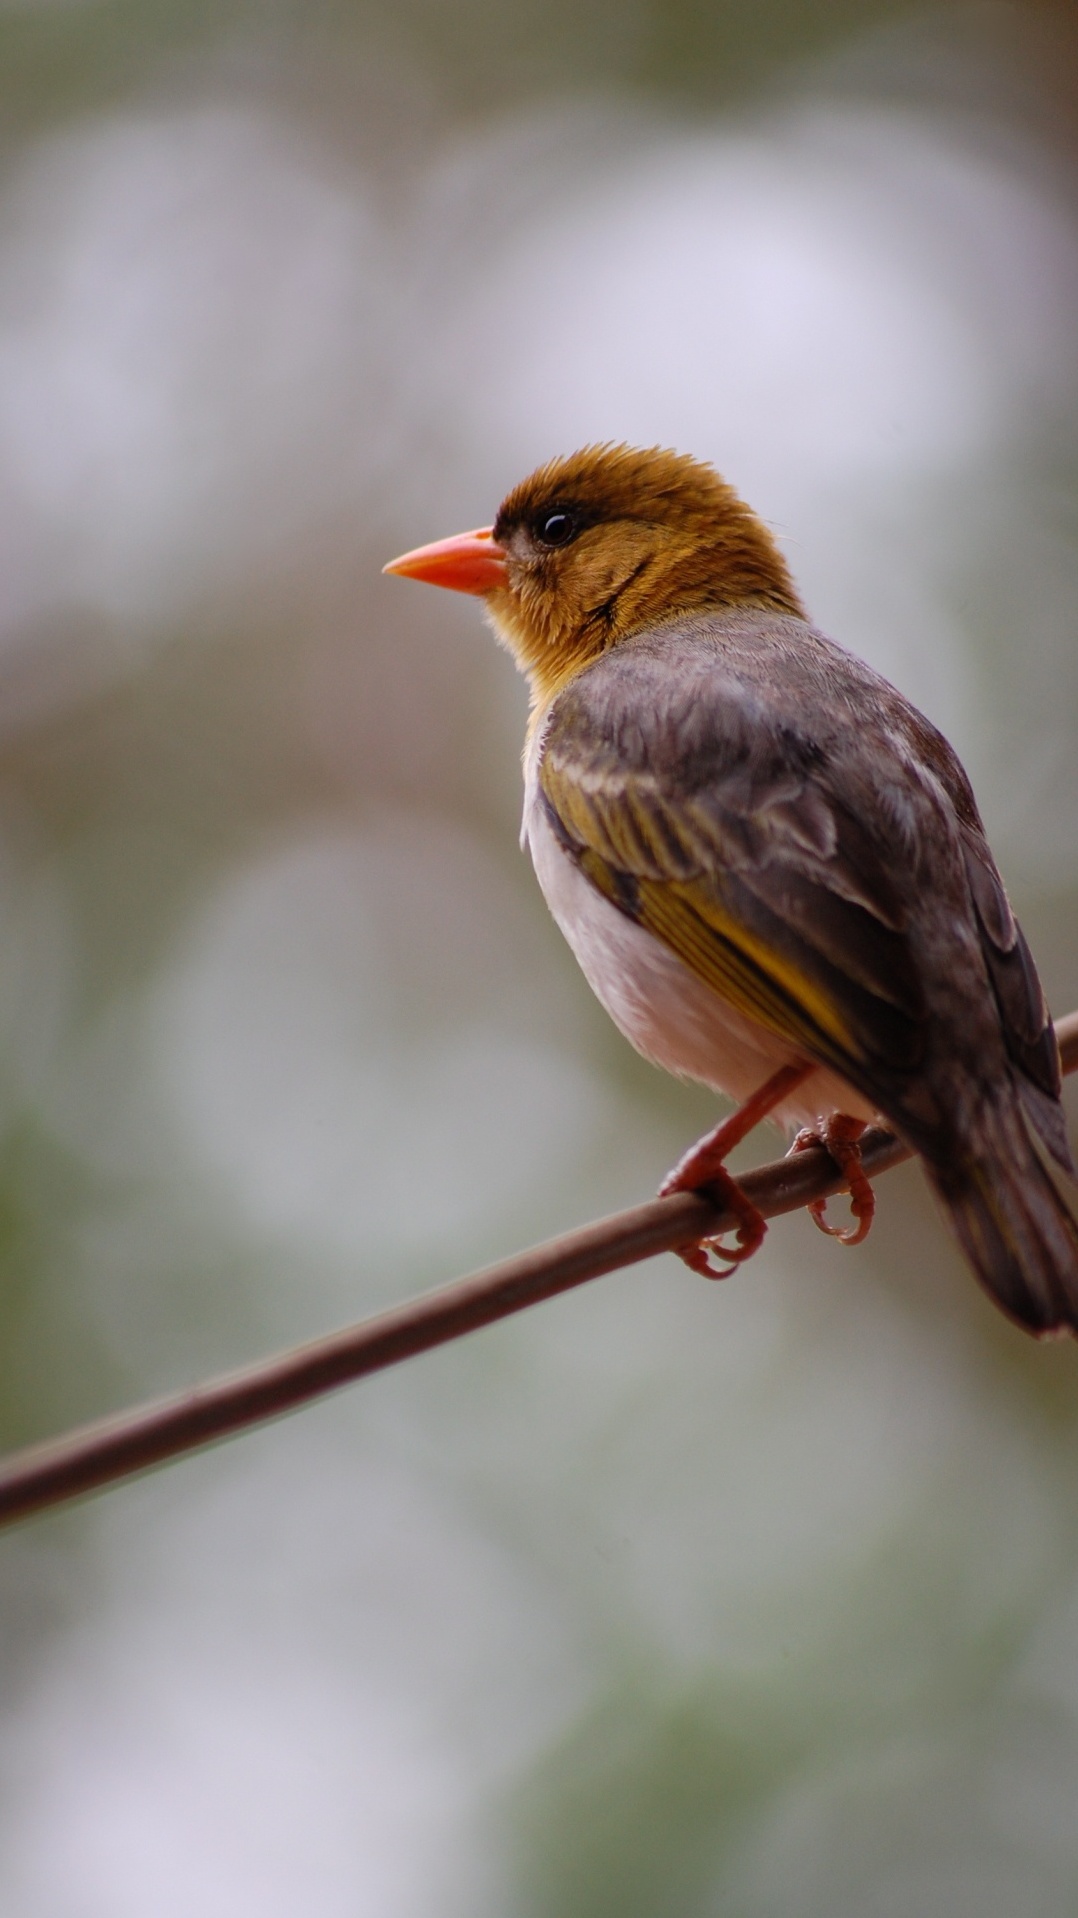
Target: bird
<point>768,863</point>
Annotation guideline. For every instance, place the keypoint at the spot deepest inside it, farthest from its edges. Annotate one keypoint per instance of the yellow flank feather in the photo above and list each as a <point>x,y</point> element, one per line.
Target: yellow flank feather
<point>626,825</point>
<point>750,975</point>
<point>625,831</point>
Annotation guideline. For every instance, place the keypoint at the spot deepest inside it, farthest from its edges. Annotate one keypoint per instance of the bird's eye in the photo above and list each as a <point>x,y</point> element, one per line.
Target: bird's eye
<point>557,528</point>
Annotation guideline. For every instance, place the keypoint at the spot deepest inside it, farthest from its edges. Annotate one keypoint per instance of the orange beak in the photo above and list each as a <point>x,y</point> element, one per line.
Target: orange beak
<point>468,563</point>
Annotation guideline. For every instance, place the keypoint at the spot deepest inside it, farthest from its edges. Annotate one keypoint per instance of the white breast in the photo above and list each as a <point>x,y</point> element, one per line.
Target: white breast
<point>667,1013</point>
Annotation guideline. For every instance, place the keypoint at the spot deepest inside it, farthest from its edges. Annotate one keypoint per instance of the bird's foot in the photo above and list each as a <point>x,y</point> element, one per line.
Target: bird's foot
<point>840,1137</point>
<point>749,1225</point>
<point>703,1170</point>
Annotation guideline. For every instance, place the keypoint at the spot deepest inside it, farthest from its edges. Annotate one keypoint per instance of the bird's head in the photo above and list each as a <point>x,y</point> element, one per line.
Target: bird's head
<point>603,544</point>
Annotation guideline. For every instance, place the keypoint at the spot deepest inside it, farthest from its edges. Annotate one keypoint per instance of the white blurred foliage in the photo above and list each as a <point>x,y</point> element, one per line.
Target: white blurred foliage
<point>970,1820</point>
<point>194,323</point>
<point>37,976</point>
<point>342,1107</point>
<point>823,1462</point>
<point>836,298</point>
<point>232,1732</point>
<point>742,1459</point>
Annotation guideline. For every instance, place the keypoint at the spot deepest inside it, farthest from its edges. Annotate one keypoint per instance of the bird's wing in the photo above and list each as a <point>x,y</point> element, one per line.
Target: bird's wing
<point>1028,1032</point>
<point>712,826</point>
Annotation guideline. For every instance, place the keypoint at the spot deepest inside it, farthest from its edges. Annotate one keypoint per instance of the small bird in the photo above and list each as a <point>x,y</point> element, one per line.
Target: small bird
<point>768,863</point>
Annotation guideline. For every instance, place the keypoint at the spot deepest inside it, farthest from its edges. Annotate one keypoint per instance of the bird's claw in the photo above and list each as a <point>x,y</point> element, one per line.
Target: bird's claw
<point>840,1138</point>
<point>702,1170</point>
<point>750,1225</point>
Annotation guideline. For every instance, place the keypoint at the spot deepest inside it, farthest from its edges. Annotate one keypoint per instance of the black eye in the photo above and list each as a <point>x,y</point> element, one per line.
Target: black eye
<point>557,528</point>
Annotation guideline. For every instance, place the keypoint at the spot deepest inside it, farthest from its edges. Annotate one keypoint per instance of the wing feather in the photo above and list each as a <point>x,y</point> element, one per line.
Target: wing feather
<point>1028,1032</point>
<point>809,847</point>
<point>760,883</point>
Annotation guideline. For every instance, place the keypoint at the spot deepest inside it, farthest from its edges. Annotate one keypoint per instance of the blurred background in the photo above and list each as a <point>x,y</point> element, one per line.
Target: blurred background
<point>759,1599</point>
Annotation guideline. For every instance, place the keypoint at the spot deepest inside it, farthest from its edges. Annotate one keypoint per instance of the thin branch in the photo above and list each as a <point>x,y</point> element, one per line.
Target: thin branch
<point>114,1448</point>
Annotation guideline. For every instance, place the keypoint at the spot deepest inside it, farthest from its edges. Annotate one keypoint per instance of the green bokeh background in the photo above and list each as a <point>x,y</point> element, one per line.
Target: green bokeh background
<point>665,1599</point>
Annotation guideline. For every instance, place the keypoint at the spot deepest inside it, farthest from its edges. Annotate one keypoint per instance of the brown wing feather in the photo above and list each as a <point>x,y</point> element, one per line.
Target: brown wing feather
<point>809,845</point>
<point>762,882</point>
<point>1028,1032</point>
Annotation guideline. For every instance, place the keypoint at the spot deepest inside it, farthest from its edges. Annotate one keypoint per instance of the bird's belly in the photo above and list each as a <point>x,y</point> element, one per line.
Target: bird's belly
<point>666,1012</point>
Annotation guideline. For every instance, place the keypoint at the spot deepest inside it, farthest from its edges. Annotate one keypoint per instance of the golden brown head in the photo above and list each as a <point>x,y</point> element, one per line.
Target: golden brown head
<point>603,544</point>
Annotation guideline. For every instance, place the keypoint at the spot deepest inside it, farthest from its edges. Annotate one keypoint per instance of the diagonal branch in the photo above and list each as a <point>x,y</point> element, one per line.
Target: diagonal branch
<point>114,1448</point>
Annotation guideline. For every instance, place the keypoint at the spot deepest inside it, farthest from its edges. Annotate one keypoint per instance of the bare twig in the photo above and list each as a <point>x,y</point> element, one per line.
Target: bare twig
<point>114,1448</point>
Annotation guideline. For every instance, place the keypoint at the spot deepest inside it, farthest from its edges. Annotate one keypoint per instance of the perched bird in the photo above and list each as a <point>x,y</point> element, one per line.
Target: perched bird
<point>769,865</point>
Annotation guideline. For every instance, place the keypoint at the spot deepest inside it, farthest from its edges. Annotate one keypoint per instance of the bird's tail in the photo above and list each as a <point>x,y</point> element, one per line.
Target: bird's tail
<point>1011,1222</point>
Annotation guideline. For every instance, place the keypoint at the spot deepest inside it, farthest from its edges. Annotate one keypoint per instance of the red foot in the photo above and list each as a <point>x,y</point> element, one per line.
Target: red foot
<point>750,1227</point>
<point>840,1139</point>
<point>702,1168</point>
